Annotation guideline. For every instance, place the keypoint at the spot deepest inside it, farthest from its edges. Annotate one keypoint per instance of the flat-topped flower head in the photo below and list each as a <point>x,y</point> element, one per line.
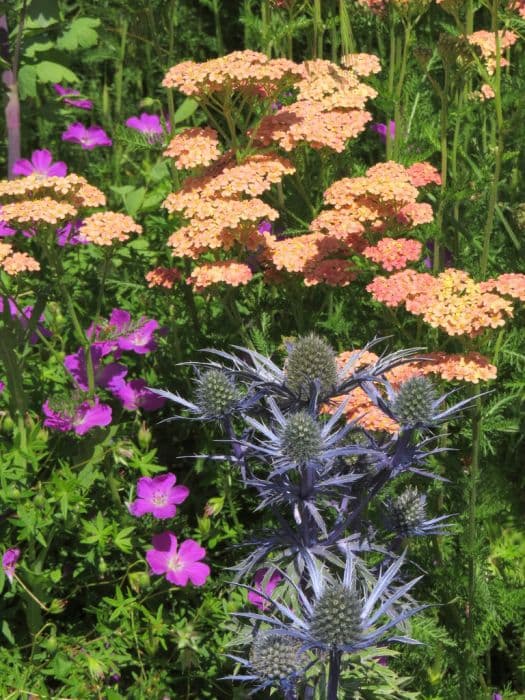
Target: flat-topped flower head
<point>9,562</point>
<point>178,564</point>
<point>41,164</point>
<point>159,496</point>
<point>86,137</point>
<point>194,147</point>
<point>226,271</point>
<point>104,228</point>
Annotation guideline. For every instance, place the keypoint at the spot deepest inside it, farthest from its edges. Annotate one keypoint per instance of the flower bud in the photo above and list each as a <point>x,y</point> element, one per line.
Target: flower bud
<point>407,511</point>
<point>414,401</point>
<point>275,656</point>
<point>301,440</point>
<point>216,393</point>
<point>336,619</point>
<point>311,358</point>
<point>144,436</point>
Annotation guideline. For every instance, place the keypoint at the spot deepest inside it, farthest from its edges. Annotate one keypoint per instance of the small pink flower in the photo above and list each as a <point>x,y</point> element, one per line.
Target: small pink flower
<point>9,562</point>
<point>180,565</point>
<point>159,496</point>
<point>41,163</point>
<point>273,582</point>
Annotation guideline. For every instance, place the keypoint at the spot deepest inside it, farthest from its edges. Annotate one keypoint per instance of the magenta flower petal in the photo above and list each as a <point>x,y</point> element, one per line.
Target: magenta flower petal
<point>41,163</point>
<point>6,230</point>
<point>146,123</point>
<point>9,562</point>
<point>135,395</point>
<point>198,573</point>
<point>23,167</point>
<point>80,419</point>
<point>140,340</point>
<point>178,566</point>
<point>87,138</point>
<point>273,582</point>
<point>157,560</point>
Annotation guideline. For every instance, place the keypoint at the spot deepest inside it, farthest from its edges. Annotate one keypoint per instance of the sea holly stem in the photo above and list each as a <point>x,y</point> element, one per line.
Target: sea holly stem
<point>496,144</point>
<point>333,675</point>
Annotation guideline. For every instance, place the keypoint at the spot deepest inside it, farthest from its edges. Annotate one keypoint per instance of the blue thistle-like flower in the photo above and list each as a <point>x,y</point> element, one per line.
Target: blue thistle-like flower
<point>406,515</point>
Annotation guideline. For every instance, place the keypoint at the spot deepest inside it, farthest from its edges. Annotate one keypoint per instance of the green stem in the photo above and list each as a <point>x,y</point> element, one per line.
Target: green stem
<point>347,35</point>
<point>398,112</point>
<point>497,147</point>
<point>444,169</point>
<point>318,29</point>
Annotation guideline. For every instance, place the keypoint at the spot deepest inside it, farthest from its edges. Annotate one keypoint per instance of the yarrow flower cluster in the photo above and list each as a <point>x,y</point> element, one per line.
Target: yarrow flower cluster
<point>317,473</point>
<point>115,336</point>
<point>451,301</point>
<point>486,42</point>
<point>384,198</point>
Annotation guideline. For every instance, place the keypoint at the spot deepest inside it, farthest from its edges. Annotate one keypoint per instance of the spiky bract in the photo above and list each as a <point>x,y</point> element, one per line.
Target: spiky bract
<point>407,511</point>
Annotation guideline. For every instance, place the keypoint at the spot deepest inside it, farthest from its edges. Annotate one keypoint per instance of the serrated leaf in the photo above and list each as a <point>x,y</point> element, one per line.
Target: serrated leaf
<point>51,72</point>
<point>33,47</point>
<point>42,14</point>
<point>81,34</point>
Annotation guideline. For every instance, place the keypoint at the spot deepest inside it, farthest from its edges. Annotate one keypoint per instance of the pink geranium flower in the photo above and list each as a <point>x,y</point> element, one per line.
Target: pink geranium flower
<point>63,91</point>
<point>135,395</point>
<point>9,562</point>
<point>88,138</point>
<point>159,496</point>
<point>80,419</point>
<point>147,124</point>
<point>41,163</point>
<point>268,589</point>
<point>179,565</point>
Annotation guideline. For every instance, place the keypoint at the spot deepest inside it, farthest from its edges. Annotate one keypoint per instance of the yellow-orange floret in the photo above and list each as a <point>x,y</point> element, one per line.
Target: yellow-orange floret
<point>163,277</point>
<point>231,273</point>
<point>240,70</point>
<point>511,284</point>
<point>228,213</point>
<point>331,87</point>
<point>334,271</point>
<point>363,64</point>
<point>471,367</point>
<point>194,147</point>
<point>394,254</point>
<point>19,262</point>
<point>38,211</point>
<point>104,228</point>
<point>303,122</point>
<point>421,174</point>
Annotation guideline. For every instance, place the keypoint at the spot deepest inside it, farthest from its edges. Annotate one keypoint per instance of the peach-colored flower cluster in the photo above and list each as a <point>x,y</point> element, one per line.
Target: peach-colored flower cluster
<point>471,368</point>
<point>37,211</point>
<point>510,284</point>
<point>104,228</point>
<point>394,254</point>
<point>518,5</point>
<point>193,148</point>
<point>363,64</point>
<point>385,196</point>
<point>163,277</point>
<point>73,188</point>
<point>486,42</point>
<point>329,109</point>
<point>244,71</point>
<point>451,301</point>
<point>232,273</point>
<point>13,262</point>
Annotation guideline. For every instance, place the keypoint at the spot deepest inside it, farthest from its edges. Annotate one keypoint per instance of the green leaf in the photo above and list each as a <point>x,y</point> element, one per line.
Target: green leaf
<point>81,34</point>
<point>41,14</point>
<point>6,631</point>
<point>185,110</point>
<point>51,72</point>
<point>33,47</point>
<point>133,200</point>
<point>27,82</point>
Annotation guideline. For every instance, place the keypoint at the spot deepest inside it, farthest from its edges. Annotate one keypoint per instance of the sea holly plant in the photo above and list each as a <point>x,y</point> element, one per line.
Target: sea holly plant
<point>327,569</point>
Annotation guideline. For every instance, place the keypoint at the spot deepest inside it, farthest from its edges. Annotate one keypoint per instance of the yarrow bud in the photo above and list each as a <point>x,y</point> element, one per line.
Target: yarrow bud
<point>407,511</point>
<point>414,401</point>
<point>301,438</point>
<point>311,358</point>
<point>275,656</point>
<point>336,618</point>
<point>216,393</point>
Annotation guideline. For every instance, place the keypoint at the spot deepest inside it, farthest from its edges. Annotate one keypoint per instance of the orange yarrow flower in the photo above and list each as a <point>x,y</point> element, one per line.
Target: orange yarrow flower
<point>231,273</point>
<point>104,228</point>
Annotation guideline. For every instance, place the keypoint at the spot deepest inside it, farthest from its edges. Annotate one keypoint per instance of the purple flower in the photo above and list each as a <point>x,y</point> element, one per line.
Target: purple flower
<point>159,496</point>
<point>448,258</point>
<point>268,589</point>
<point>381,130</point>
<point>87,137</point>
<point>148,124</point>
<point>70,234</point>
<point>105,375</point>
<point>497,696</point>
<point>9,562</point>
<point>6,230</point>
<point>120,333</point>
<point>24,317</point>
<point>81,104</point>
<point>265,226</point>
<point>180,565</point>
<point>80,419</point>
<point>2,387</point>
<point>135,395</point>
<point>141,339</point>
<point>41,163</point>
